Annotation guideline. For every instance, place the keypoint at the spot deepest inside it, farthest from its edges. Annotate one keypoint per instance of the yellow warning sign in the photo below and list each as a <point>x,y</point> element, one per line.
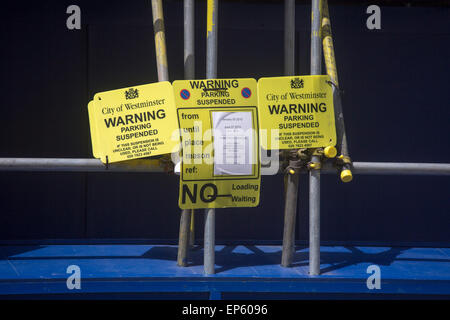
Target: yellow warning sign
<point>220,163</point>
<point>93,127</point>
<point>133,122</point>
<point>296,112</point>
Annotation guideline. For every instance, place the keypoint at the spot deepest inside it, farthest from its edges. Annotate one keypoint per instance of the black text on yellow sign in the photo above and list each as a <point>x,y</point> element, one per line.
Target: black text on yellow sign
<point>218,122</point>
<point>296,112</point>
<point>133,122</point>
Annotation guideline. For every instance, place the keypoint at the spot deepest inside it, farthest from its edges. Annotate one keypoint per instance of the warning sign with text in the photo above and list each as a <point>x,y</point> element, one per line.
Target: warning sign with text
<point>133,122</point>
<point>296,112</point>
<point>220,161</point>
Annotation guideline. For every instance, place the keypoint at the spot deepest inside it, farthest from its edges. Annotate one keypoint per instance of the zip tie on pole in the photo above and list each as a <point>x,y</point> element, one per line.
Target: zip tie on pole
<point>344,160</point>
<point>291,171</point>
<point>331,83</point>
<point>314,165</point>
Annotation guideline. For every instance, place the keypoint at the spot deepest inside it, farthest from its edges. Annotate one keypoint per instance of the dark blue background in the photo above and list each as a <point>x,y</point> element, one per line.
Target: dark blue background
<point>396,106</point>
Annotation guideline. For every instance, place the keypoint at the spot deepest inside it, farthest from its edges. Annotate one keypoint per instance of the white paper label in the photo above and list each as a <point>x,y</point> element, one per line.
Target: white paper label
<point>233,142</point>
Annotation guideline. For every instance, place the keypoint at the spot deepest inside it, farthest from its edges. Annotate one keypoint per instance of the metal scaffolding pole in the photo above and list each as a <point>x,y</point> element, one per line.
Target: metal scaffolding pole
<point>330,63</point>
<point>79,165</point>
<point>189,40</point>
<point>291,179</point>
<point>289,37</point>
<point>160,40</point>
<point>186,221</point>
<point>395,168</point>
<point>183,237</point>
<point>163,75</point>
<point>192,229</point>
<point>189,72</point>
<point>211,73</point>
<point>314,174</point>
<point>211,39</point>
<point>154,166</point>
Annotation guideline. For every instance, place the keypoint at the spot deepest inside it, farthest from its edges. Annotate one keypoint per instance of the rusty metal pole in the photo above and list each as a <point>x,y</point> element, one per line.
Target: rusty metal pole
<point>330,62</point>
<point>163,75</point>
<point>160,40</point>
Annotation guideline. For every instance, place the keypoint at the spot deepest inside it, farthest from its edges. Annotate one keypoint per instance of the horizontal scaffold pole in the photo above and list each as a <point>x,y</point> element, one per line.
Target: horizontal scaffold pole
<point>152,165</point>
<point>397,168</point>
<point>79,165</point>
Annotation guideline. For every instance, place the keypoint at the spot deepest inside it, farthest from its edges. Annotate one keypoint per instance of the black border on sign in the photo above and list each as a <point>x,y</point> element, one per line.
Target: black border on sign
<point>213,178</point>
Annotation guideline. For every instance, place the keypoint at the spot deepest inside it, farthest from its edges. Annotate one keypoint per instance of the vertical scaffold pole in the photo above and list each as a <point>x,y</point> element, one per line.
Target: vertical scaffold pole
<point>291,179</point>
<point>183,238</point>
<point>186,219</point>
<point>211,73</point>
<point>192,229</point>
<point>330,63</point>
<point>289,37</point>
<point>163,75</point>
<point>160,40</point>
<point>189,71</point>
<point>189,40</point>
<point>314,174</point>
